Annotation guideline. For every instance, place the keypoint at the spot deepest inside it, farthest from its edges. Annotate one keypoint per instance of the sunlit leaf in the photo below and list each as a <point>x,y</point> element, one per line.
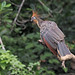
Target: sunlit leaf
<point>8,5</point>
<point>65,69</point>
<point>3,4</point>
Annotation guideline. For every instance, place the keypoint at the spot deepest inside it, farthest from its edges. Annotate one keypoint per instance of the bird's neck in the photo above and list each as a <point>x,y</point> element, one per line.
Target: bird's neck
<point>39,21</point>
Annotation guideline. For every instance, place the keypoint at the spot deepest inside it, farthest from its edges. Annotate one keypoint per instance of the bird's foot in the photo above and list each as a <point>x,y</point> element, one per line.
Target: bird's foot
<point>40,41</point>
<point>63,64</point>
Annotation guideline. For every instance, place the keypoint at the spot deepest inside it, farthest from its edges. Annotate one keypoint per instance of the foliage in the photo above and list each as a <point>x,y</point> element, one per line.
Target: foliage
<point>65,69</point>
<point>4,5</point>
<point>4,9</point>
<point>23,40</point>
<point>10,65</point>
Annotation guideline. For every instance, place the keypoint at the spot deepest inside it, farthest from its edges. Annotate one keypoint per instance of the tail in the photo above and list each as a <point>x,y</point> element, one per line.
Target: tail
<point>73,62</point>
<point>63,51</point>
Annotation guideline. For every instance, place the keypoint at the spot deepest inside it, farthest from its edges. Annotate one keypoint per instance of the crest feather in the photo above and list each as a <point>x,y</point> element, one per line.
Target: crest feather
<point>35,14</point>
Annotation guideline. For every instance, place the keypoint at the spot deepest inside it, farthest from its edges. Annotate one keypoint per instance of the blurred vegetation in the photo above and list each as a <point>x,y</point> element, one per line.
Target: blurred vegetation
<point>21,39</point>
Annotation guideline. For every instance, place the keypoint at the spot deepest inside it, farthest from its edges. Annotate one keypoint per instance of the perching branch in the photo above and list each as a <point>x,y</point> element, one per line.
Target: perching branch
<point>2,44</point>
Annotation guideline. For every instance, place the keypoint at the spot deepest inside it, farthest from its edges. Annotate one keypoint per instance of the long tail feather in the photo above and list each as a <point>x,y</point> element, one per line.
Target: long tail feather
<point>63,51</point>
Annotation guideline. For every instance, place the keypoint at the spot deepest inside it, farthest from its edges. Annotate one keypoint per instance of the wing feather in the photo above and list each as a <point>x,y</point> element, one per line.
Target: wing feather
<point>55,31</point>
<point>51,32</point>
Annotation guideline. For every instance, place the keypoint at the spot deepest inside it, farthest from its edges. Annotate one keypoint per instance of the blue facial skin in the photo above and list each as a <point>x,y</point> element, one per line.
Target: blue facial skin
<point>32,18</point>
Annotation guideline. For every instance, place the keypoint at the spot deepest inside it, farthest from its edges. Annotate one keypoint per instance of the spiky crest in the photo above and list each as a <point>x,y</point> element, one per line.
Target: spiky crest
<point>35,14</point>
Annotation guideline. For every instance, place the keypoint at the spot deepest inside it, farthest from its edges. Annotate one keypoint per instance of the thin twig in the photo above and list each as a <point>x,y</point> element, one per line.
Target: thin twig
<point>14,22</point>
<point>60,10</point>
<point>2,44</point>
<point>22,25</point>
<point>18,11</point>
<point>46,6</point>
<point>23,21</point>
<point>13,3</point>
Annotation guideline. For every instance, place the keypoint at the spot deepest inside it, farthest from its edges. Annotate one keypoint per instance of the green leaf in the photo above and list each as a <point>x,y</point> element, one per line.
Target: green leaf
<point>29,46</point>
<point>65,69</point>
<point>29,9</point>
<point>8,5</point>
<point>3,66</point>
<point>53,61</point>
<point>46,55</point>
<point>8,20</point>
<point>3,5</point>
<point>0,73</point>
<point>51,72</point>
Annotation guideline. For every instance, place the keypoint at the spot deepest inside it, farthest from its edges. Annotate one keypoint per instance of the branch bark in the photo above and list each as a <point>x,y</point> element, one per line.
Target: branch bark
<point>14,22</point>
<point>2,44</point>
<point>18,11</point>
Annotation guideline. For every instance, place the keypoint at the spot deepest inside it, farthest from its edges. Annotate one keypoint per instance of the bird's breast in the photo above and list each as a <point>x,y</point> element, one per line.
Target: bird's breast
<point>43,30</point>
<point>45,26</point>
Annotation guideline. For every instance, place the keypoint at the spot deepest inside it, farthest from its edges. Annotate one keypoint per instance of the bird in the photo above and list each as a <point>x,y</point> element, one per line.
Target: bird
<point>52,36</point>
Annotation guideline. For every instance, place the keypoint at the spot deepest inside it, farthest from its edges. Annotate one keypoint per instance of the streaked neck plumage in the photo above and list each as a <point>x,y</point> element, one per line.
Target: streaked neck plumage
<point>39,21</point>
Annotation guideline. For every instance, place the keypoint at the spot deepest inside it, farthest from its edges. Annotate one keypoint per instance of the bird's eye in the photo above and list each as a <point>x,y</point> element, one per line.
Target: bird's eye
<point>34,17</point>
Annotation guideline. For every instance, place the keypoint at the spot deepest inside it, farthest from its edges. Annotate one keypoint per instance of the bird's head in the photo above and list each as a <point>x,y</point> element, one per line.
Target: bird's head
<point>34,17</point>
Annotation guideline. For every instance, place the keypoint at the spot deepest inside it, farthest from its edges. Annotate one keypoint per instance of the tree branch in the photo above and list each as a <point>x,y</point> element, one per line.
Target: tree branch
<point>18,11</point>
<point>2,44</point>
<point>14,22</point>
<point>23,21</point>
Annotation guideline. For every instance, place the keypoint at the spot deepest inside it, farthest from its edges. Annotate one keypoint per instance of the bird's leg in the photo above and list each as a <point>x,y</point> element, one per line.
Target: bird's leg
<point>63,63</point>
<point>40,41</point>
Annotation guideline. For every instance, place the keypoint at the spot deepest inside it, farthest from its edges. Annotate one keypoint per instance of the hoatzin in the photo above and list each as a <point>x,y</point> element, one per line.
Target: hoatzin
<point>53,38</point>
